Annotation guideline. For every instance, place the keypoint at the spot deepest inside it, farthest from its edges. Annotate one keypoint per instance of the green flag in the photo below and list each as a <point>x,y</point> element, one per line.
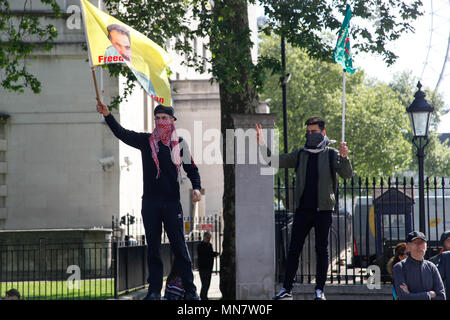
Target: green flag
<point>342,51</point>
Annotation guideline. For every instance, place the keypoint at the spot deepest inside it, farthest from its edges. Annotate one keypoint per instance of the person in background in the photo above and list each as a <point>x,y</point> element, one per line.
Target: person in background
<point>12,294</point>
<point>445,243</point>
<point>444,271</point>
<point>400,253</point>
<point>417,278</point>
<point>206,257</point>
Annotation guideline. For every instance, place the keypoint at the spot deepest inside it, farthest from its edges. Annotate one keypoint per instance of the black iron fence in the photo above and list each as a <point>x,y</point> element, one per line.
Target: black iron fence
<point>371,217</point>
<point>58,270</point>
<point>133,234</point>
<point>89,270</point>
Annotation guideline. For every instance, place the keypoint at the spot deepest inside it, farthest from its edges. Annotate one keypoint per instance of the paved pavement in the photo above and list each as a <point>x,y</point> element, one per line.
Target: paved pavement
<point>213,293</point>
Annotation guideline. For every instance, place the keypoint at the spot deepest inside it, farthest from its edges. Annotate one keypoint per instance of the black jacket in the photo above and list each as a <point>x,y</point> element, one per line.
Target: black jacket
<point>444,270</point>
<point>206,255</point>
<point>420,278</point>
<point>166,187</point>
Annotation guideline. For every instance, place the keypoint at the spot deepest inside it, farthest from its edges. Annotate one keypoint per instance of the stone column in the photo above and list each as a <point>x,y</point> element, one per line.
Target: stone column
<point>255,221</point>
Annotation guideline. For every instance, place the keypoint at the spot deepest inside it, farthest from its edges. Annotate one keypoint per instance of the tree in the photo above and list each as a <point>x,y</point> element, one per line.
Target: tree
<point>19,40</point>
<point>376,121</point>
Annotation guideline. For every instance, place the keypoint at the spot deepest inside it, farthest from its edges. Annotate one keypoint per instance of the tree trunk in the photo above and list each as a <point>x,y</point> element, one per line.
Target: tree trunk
<point>230,46</point>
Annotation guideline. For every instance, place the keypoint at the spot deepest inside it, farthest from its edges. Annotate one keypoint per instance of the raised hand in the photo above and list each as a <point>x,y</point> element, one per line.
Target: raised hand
<point>259,136</point>
<point>196,195</point>
<point>343,150</point>
<point>102,108</point>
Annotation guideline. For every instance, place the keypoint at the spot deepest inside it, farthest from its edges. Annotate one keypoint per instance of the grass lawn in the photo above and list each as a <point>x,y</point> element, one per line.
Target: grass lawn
<point>97,289</point>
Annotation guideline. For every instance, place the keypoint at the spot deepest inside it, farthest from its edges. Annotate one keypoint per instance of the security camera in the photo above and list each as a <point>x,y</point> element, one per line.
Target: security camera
<point>128,163</point>
<point>107,163</point>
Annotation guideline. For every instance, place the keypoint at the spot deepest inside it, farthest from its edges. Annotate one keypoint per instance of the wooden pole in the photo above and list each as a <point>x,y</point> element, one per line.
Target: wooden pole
<point>95,83</point>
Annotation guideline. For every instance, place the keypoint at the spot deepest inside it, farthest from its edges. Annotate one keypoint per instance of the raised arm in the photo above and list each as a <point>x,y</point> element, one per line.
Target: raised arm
<point>285,160</point>
<point>131,138</point>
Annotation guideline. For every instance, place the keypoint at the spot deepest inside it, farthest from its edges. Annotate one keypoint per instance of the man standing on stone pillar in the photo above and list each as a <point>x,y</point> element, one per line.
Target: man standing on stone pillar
<point>316,166</point>
<point>162,156</point>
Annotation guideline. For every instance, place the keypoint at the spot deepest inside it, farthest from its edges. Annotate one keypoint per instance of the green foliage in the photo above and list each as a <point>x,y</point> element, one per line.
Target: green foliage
<point>376,121</point>
<point>17,29</point>
<point>301,22</point>
<point>374,23</point>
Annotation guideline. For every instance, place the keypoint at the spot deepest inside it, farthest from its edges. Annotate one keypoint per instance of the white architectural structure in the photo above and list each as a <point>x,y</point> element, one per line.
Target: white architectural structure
<point>60,165</point>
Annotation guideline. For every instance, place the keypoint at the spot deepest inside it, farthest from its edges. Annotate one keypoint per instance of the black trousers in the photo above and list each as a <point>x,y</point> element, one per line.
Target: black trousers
<point>205,278</point>
<point>154,213</point>
<point>304,220</point>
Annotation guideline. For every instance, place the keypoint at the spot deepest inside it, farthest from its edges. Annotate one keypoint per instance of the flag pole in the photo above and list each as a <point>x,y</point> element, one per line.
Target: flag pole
<point>95,83</point>
<point>343,106</point>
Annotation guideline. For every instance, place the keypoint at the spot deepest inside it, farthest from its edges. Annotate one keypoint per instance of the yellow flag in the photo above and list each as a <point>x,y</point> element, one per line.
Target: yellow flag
<point>111,41</point>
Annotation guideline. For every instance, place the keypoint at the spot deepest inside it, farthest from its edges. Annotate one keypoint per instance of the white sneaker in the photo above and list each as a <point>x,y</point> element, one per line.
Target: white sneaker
<point>283,295</point>
<point>319,295</point>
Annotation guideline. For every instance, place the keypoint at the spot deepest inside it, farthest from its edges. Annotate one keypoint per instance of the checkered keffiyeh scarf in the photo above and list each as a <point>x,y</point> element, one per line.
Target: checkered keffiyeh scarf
<point>165,132</point>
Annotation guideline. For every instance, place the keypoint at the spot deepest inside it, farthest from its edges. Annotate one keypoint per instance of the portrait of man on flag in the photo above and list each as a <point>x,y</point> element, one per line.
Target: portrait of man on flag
<point>120,42</point>
<point>120,52</point>
<point>111,41</point>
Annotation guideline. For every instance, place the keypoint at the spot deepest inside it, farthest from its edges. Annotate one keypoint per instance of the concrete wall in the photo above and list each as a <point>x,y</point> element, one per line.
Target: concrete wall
<point>54,141</point>
<point>50,176</point>
<point>255,223</point>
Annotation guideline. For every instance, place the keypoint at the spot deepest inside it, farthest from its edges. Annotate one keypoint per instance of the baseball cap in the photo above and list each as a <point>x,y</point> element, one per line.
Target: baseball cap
<point>415,235</point>
<point>163,109</point>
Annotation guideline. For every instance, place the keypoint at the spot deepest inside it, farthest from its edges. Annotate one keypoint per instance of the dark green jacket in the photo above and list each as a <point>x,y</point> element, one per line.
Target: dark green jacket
<point>326,194</point>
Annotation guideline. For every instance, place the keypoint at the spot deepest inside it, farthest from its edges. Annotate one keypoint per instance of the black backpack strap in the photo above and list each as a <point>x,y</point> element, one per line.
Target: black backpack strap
<point>331,156</point>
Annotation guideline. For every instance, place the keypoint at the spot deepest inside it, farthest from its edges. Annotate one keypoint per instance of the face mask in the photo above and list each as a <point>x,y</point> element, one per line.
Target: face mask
<point>314,139</point>
<point>160,123</point>
<point>164,128</point>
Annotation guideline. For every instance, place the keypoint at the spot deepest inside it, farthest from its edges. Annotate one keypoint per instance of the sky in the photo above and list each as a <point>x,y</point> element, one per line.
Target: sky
<point>414,56</point>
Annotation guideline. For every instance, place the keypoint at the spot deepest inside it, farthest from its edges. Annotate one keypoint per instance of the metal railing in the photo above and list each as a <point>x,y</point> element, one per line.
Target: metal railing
<point>194,228</point>
<point>371,217</point>
<point>93,270</point>
<point>58,271</point>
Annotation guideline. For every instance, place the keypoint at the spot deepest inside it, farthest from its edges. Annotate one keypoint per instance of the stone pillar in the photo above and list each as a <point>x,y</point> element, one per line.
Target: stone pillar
<point>255,221</point>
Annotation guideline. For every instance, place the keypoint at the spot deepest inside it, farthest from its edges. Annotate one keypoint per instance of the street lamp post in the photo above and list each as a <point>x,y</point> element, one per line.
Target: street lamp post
<point>420,115</point>
<point>284,81</point>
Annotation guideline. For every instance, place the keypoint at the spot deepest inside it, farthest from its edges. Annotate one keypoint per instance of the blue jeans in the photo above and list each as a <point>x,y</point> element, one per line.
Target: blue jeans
<point>154,213</point>
<point>304,220</point>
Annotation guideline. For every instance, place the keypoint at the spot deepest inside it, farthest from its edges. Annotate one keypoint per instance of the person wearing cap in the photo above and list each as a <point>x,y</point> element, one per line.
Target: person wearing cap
<point>163,155</point>
<point>444,271</point>
<point>442,261</point>
<point>416,278</point>
<point>445,243</point>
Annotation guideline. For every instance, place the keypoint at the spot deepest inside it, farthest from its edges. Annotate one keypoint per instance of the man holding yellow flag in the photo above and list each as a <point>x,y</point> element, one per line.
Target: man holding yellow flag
<point>163,153</point>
